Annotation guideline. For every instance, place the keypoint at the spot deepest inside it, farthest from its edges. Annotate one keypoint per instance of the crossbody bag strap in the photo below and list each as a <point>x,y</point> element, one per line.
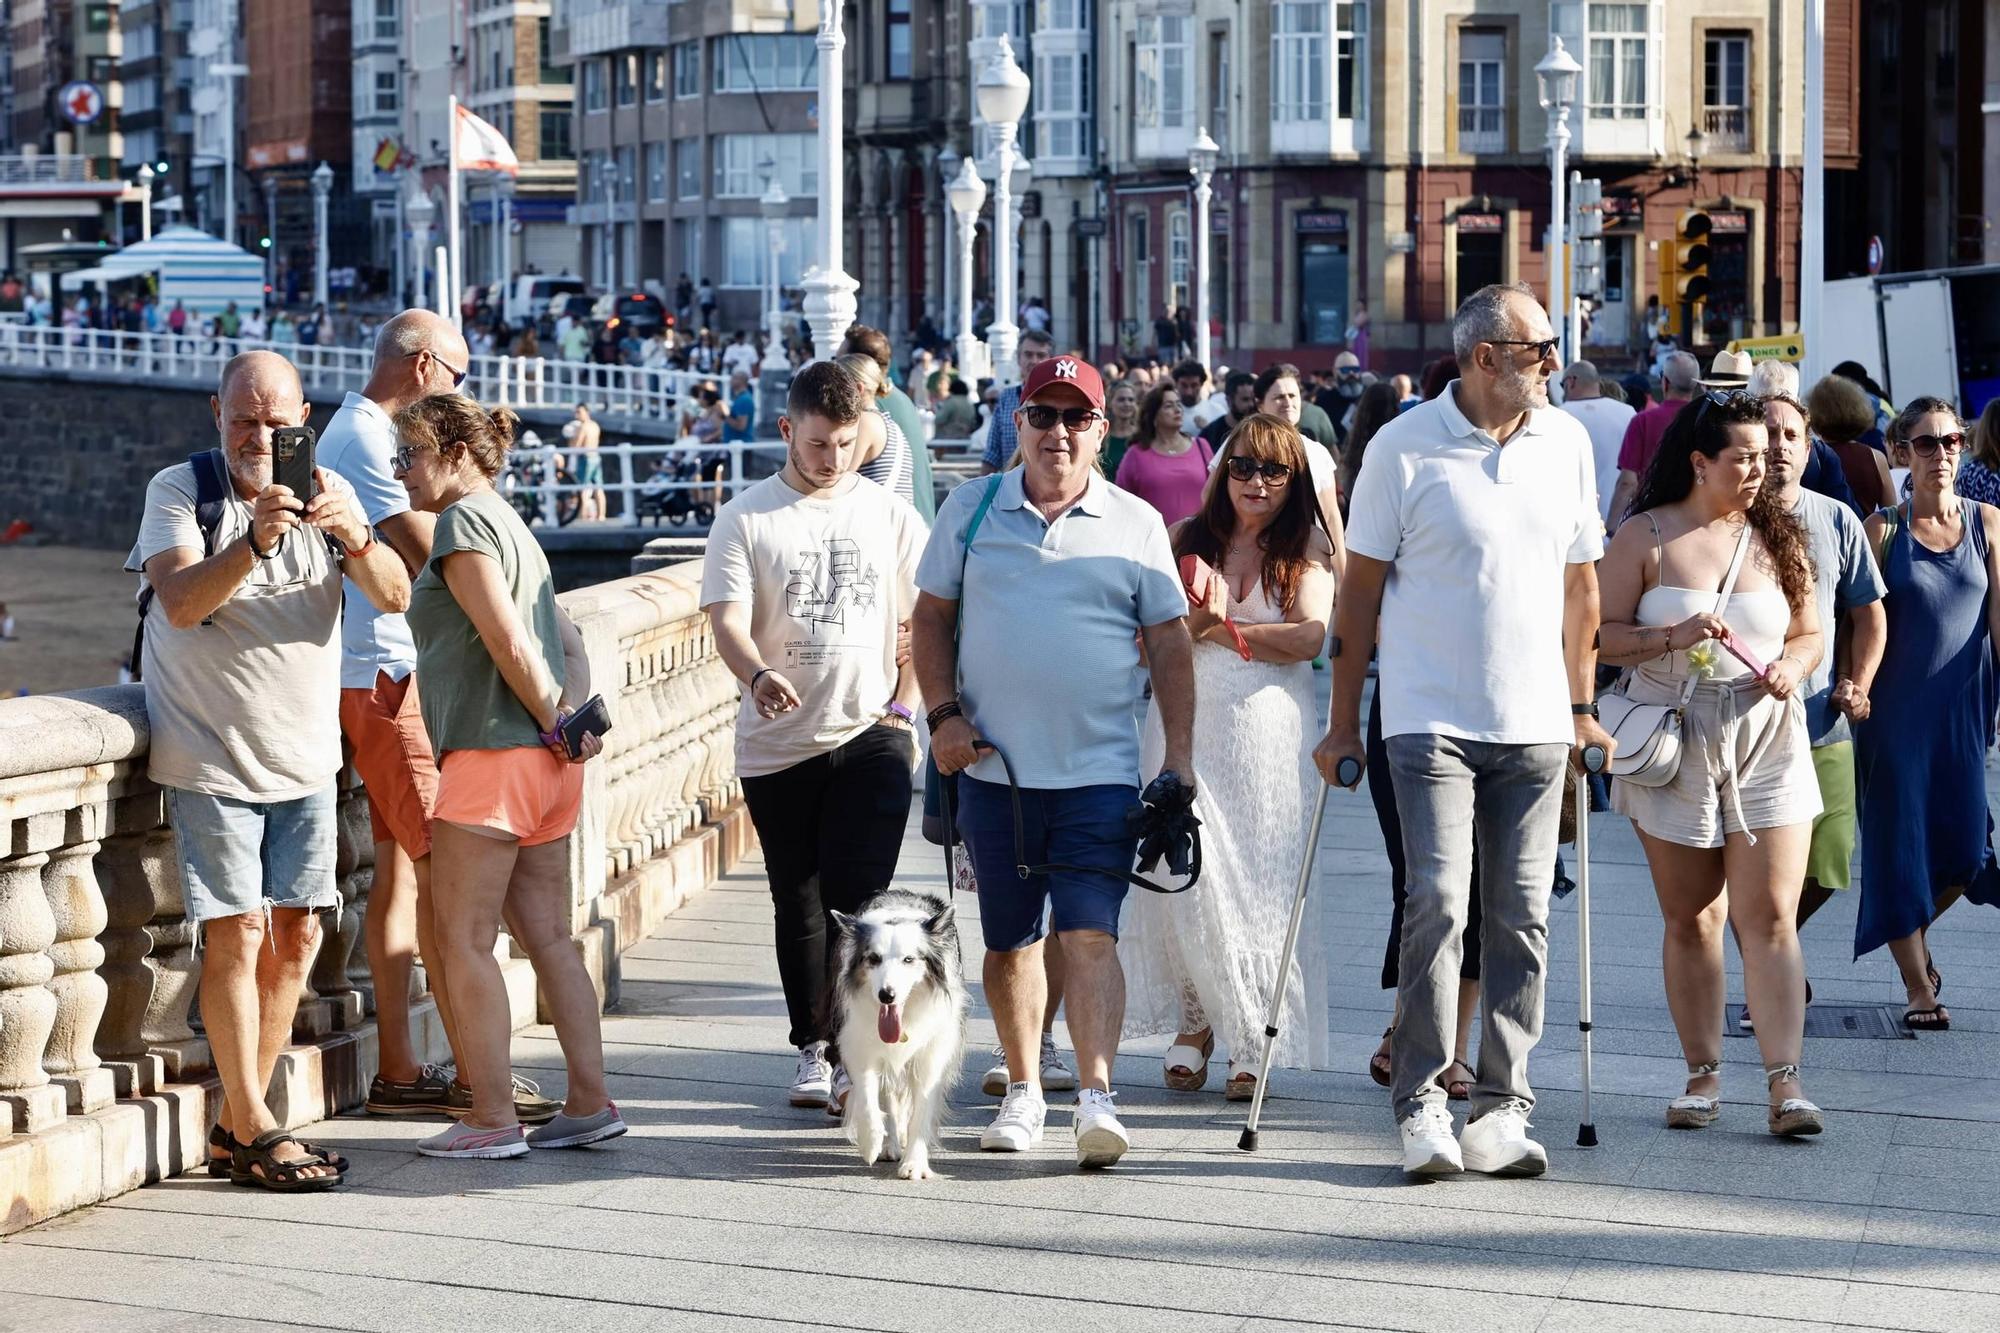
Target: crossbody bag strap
<point>1722,599</point>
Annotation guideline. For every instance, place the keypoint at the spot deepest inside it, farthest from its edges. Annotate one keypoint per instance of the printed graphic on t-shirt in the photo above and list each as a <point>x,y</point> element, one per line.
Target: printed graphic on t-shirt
<point>824,587</point>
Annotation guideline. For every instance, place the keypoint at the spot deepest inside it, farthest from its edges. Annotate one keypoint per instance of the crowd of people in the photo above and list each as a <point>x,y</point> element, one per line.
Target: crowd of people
<point>1523,579</point>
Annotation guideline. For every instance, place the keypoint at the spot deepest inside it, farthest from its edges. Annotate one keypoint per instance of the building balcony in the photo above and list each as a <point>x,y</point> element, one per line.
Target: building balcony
<point>1727,128</point>
<point>1482,129</point>
<point>597,27</point>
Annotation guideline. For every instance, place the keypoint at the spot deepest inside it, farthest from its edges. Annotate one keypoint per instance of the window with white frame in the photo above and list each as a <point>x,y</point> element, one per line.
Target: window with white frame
<point>387,26</point>
<point>687,69</point>
<point>766,62</point>
<point>740,164</point>
<point>656,76</point>
<point>746,248</point>
<point>1616,40</point>
<point>1218,88</point>
<point>1725,109</point>
<point>656,173</point>
<point>628,78</point>
<point>1298,61</point>
<point>687,168</point>
<point>1063,14</point>
<point>594,98</point>
<point>896,39</point>
<point>388,92</point>
<point>1160,72</point>
<point>628,175</point>
<point>1180,256</point>
<point>1062,105</point>
<point>1482,111</point>
<point>1350,61</point>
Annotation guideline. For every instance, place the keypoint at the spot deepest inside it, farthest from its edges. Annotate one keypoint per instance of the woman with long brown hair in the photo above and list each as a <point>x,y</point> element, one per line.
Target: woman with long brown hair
<point>1162,466</point>
<point>1201,963</point>
<point>1727,836</point>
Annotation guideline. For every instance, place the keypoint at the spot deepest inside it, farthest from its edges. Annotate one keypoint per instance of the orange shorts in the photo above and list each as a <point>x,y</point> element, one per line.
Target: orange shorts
<point>392,753</point>
<point>525,792</point>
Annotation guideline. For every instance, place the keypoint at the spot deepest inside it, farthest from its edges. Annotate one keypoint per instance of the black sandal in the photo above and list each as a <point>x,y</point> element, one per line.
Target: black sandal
<point>1380,1066</point>
<point>217,1138</point>
<point>1933,1019</point>
<point>278,1177</point>
<point>326,1155</point>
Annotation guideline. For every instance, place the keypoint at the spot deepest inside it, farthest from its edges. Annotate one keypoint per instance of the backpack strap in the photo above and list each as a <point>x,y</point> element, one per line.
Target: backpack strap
<point>211,500</point>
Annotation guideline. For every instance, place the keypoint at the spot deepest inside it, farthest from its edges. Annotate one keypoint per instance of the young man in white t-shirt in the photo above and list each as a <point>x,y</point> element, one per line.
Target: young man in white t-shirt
<point>808,577</point>
<point>1605,419</point>
<point>1473,535</point>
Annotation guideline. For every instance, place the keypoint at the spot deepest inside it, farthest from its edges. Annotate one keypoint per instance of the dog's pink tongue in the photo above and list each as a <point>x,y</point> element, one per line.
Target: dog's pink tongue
<point>889,1024</point>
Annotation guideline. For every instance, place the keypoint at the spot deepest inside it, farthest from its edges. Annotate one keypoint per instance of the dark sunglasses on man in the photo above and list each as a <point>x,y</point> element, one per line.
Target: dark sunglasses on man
<point>1044,417</point>
<point>457,376</point>
<point>1544,348</point>
<point>1273,472</point>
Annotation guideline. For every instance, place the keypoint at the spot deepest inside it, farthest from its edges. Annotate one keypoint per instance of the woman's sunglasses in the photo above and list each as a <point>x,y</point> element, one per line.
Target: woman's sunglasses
<point>1274,473</point>
<point>402,458</point>
<point>1043,417</point>
<point>1930,446</point>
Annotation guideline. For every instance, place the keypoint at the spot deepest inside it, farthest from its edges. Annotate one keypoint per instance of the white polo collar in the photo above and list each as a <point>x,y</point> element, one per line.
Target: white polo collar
<point>1014,493</point>
<point>1460,425</point>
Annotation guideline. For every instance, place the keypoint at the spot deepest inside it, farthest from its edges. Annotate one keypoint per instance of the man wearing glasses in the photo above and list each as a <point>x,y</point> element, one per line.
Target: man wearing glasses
<point>1036,587</point>
<point>1473,536</point>
<point>417,354</point>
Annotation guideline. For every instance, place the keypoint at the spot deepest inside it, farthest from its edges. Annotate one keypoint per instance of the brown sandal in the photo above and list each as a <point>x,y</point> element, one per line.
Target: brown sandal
<point>255,1163</point>
<point>1380,1067</point>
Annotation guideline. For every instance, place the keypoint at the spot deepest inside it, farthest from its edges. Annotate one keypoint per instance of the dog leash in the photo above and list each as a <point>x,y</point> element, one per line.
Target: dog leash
<point>1155,843</point>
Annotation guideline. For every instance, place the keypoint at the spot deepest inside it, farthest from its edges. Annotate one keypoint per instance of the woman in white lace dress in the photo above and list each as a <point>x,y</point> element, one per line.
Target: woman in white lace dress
<point>1203,964</point>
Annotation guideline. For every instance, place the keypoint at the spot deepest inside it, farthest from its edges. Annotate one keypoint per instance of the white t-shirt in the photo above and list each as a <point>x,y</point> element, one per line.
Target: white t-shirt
<point>357,445</point>
<point>1605,419</point>
<point>1478,535</point>
<point>246,705</point>
<point>740,356</point>
<point>827,582</point>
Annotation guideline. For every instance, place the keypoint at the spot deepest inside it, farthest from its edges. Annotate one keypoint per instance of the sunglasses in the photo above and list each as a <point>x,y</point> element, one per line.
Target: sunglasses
<point>1274,473</point>
<point>1724,398</point>
<point>402,458</point>
<point>1043,417</point>
<point>457,376</point>
<point>1544,347</point>
<point>1930,446</point>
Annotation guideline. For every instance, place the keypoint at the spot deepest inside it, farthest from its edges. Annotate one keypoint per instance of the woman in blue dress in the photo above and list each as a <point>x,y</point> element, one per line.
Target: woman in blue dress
<point>1921,756</point>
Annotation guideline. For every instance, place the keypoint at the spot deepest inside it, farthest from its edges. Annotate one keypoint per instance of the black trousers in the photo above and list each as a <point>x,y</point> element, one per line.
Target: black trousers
<point>831,827</point>
<point>1383,790</point>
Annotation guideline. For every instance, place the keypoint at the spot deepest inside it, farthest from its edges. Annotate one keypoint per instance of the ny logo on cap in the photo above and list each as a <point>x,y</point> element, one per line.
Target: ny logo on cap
<point>1065,369</point>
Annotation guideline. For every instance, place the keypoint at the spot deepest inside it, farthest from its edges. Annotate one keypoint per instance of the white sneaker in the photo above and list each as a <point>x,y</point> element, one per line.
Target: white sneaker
<point>1428,1146</point>
<point>1100,1139</point>
<point>814,1079</point>
<point>1056,1076</point>
<point>836,1097</point>
<point>1498,1144</point>
<point>1018,1127</point>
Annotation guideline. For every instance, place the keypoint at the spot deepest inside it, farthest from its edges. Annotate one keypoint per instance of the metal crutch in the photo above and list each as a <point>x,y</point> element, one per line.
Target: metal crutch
<point>1349,765</point>
<point>1594,760</point>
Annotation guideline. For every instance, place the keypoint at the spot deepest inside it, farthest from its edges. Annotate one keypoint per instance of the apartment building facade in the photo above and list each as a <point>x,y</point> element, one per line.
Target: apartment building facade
<point>155,71</point>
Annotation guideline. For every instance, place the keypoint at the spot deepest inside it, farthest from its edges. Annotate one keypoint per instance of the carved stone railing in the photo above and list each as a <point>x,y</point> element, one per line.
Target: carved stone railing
<point>102,1064</point>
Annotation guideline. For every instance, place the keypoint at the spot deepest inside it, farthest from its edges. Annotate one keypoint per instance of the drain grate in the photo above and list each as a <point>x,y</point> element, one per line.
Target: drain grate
<point>1864,1022</point>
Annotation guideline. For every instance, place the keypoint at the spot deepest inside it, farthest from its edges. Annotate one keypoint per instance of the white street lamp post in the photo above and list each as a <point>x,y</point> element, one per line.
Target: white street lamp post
<point>1003,100</point>
<point>947,165</point>
<point>775,204</point>
<point>146,174</point>
<point>271,237</point>
<point>1556,74</point>
<point>229,74</point>
<point>418,212</point>
<point>322,185</point>
<point>1202,156</point>
<point>829,290</point>
<point>968,195</point>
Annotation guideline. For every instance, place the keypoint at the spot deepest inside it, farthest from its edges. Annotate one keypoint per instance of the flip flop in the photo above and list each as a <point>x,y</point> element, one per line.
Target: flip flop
<point>1933,1019</point>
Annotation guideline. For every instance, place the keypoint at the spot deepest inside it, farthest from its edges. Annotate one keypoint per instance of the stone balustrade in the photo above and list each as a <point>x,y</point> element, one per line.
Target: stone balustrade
<point>104,1076</point>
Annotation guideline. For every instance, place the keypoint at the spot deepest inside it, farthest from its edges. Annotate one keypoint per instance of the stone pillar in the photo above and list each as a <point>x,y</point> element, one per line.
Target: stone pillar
<point>27,1005</point>
<point>77,907</point>
<point>339,1000</point>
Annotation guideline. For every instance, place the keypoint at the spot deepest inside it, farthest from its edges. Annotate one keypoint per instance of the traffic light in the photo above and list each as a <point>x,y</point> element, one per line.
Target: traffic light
<point>1691,284</point>
<point>1670,308</point>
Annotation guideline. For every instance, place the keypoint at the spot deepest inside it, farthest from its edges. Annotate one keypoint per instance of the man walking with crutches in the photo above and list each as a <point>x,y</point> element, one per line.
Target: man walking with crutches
<point>1472,536</point>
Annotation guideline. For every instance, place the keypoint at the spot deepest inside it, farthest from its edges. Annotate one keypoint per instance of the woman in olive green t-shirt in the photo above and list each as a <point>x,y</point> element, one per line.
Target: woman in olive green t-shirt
<point>500,666</point>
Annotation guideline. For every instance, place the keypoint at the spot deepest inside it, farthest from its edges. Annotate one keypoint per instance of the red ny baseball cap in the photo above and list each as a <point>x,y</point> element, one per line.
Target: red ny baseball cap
<point>1071,370</point>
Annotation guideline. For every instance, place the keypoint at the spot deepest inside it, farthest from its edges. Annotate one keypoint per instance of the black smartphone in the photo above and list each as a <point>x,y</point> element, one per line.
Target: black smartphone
<point>593,719</point>
<point>292,450</point>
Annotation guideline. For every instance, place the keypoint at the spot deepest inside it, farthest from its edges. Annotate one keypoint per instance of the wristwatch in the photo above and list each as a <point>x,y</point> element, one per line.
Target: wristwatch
<point>1584,710</point>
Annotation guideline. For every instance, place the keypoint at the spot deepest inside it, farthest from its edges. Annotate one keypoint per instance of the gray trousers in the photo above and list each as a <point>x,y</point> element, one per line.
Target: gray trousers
<point>1447,788</point>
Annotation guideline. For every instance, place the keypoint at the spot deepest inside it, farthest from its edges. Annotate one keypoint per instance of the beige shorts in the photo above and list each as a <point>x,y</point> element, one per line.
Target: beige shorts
<point>1746,764</point>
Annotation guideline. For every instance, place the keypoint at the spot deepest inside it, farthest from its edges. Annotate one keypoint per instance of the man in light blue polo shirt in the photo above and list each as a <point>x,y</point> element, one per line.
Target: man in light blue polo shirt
<point>1063,576</point>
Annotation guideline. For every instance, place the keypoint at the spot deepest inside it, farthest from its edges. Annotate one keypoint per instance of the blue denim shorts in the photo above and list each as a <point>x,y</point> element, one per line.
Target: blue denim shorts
<point>1080,826</point>
<point>239,857</point>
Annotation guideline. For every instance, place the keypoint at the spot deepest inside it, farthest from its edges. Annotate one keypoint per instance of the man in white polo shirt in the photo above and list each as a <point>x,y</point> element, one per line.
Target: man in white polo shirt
<point>1036,588</point>
<point>1472,536</point>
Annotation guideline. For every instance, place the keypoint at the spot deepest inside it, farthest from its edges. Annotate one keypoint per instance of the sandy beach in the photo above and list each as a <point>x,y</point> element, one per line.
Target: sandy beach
<point>73,614</point>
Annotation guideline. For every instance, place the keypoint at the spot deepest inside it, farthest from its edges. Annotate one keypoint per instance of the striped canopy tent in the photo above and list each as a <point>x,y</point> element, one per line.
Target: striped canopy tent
<point>203,273</point>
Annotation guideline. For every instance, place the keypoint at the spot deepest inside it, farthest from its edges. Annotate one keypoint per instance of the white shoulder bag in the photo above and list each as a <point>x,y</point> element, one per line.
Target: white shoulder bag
<point>1647,750</point>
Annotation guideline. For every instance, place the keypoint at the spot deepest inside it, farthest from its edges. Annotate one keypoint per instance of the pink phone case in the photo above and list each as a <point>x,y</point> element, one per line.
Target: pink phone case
<point>1744,655</point>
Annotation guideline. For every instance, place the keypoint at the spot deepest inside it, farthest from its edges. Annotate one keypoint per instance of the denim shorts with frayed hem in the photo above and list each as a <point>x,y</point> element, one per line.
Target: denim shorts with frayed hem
<point>239,857</point>
<point>1080,826</point>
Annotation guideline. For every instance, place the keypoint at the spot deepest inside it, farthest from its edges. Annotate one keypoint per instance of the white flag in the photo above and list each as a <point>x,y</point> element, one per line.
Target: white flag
<point>481,146</point>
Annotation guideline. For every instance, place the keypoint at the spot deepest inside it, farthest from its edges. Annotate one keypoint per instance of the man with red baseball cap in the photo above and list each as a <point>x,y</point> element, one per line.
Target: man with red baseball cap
<point>1059,575</point>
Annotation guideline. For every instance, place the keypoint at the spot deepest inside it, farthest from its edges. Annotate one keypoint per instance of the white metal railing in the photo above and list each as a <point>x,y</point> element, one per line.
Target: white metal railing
<point>644,484</point>
<point>45,169</point>
<point>533,383</point>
